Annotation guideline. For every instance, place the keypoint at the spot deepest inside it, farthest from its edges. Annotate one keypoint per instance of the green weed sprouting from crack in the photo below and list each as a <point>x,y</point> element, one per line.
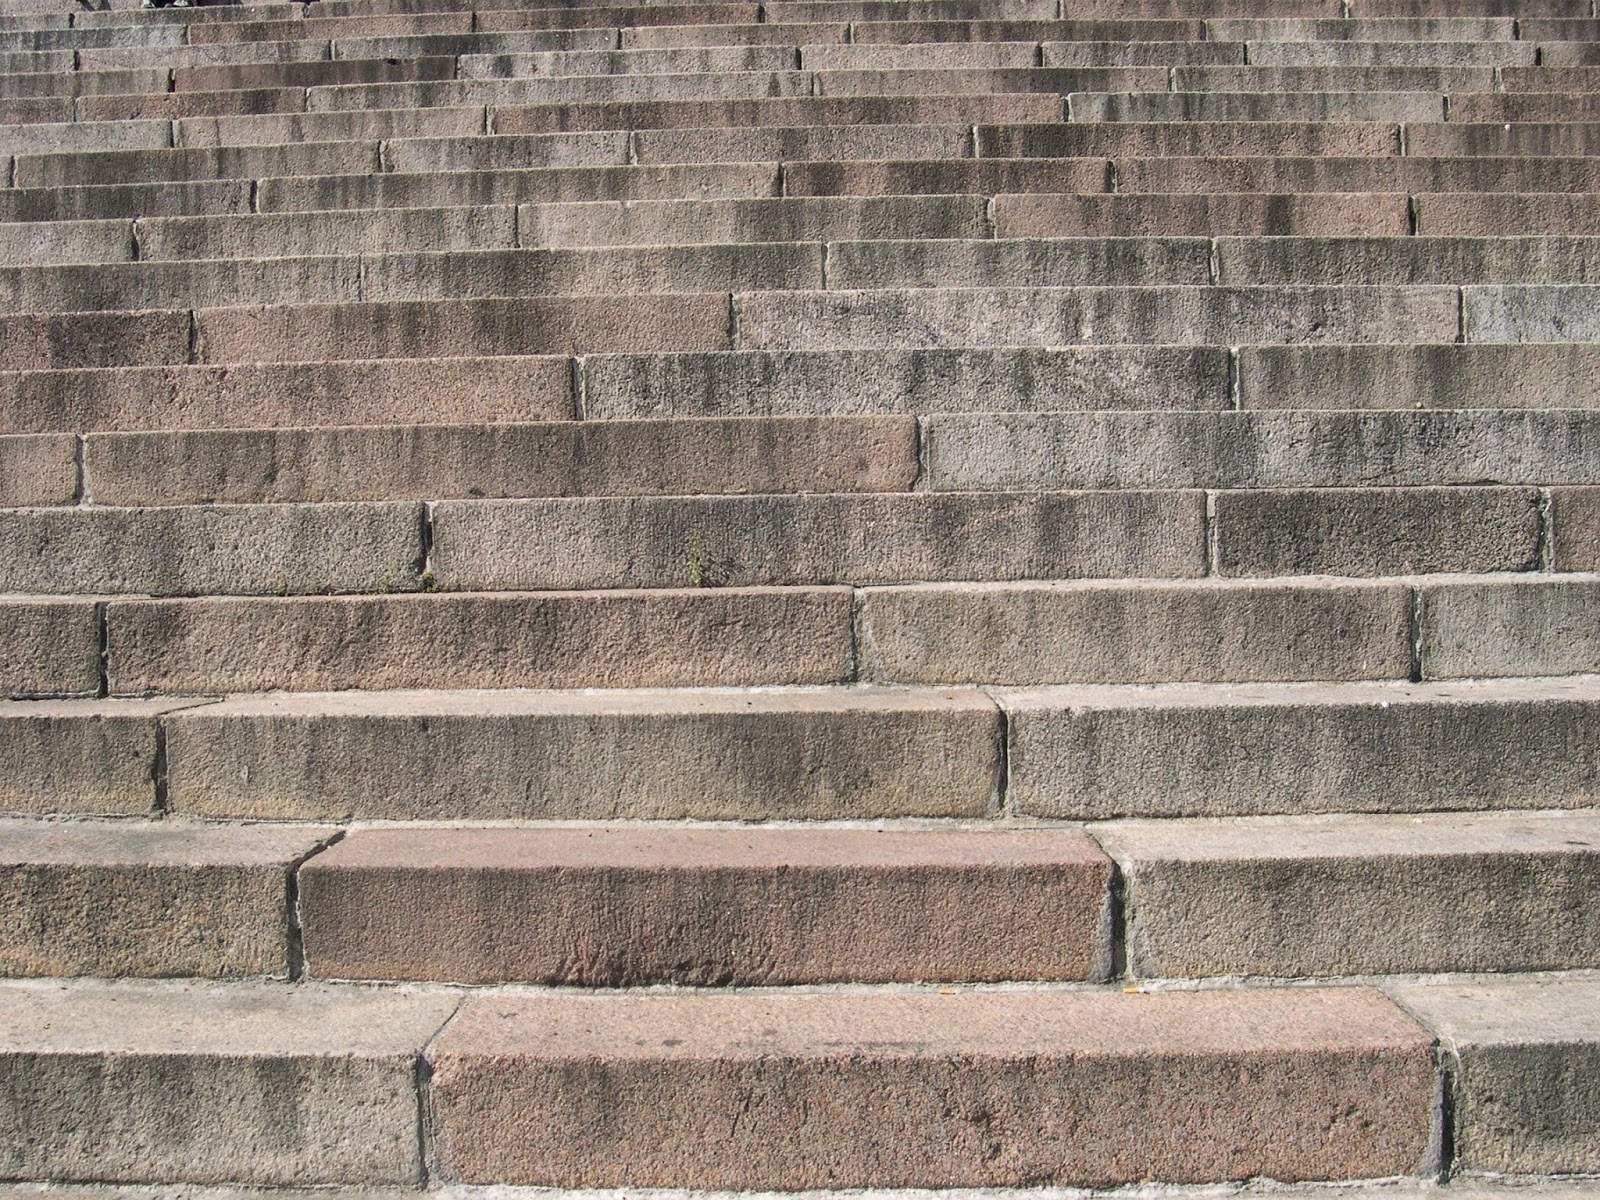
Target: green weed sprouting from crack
<point>698,564</point>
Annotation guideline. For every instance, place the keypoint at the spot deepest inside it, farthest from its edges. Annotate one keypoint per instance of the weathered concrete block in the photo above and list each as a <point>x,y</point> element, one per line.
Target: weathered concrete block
<point>129,1082</point>
<point>1531,314</point>
<point>1114,632</point>
<point>45,342</point>
<point>1155,215</point>
<point>1331,78</point>
<point>565,458</point>
<point>52,648</point>
<point>782,540</point>
<point>602,270</point>
<point>963,176</point>
<point>1255,106</point>
<point>1376,531</point>
<point>38,469</point>
<point>798,110</point>
<point>790,144</point>
<point>1436,376</point>
<point>426,329</point>
<point>520,1085</point>
<point>80,757</point>
<point>1408,260</point>
<point>1159,139</point>
<point>344,233</point>
<point>140,285</point>
<point>41,244</point>
<point>195,163</point>
<point>541,186</point>
<point>1526,1055</point>
<point>1018,451</point>
<point>1287,896</point>
<point>1057,263</point>
<point>981,317</point>
<point>1575,529</point>
<point>755,383</point>
<point>1094,753</point>
<point>268,395</point>
<point>84,137</point>
<point>1350,53</point>
<point>770,754</point>
<point>1479,215</point>
<point>204,197</point>
<point>619,905</point>
<point>269,129</point>
<point>767,219</point>
<point>1535,625</point>
<point>149,898</point>
<point>502,153</point>
<point>221,549</point>
<point>699,638</point>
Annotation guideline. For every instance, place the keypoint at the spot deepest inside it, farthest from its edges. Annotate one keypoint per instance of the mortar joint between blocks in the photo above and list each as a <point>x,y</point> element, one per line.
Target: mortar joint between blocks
<point>160,801</point>
<point>1415,630</point>
<point>1547,531</point>
<point>83,492</point>
<point>103,651</point>
<point>1001,807</point>
<point>295,966</point>
<point>580,388</point>
<point>1208,529</point>
<point>425,535</point>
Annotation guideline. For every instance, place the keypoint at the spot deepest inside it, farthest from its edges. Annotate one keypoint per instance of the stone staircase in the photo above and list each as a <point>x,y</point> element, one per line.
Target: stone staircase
<point>819,594</point>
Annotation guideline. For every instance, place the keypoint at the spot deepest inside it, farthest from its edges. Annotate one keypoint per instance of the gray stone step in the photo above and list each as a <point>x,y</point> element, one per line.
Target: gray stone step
<point>1300,896</point>
<point>372,392</point>
<point>1254,631</point>
<point>1520,1052</point>
<point>153,898</point>
<point>621,905</point>
<point>1256,106</point>
<point>720,754</point>
<point>1192,750</point>
<point>560,458</point>
<point>96,1070</point>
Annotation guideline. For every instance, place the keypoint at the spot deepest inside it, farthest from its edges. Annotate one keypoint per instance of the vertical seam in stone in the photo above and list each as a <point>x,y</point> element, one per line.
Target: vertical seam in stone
<point>296,950</point>
<point>1208,529</point>
<point>1411,216</point>
<point>1400,140</point>
<point>733,321</point>
<point>1547,531</point>
<point>991,218</point>
<point>11,171</point>
<point>133,238</point>
<point>427,1154</point>
<point>850,33</point>
<point>1214,262</point>
<point>80,456</point>
<point>826,263</point>
<point>1235,384</point>
<point>920,483</point>
<point>1415,619</point>
<point>1113,924</point>
<point>160,804</point>
<point>580,386</point>
<point>103,651</point>
<point>425,539</point>
<point>361,278</point>
<point>172,134</point>
<point>255,195</point>
<point>1461,316</point>
<point>516,226</point>
<point>172,80</point>
<point>194,336</point>
<point>633,147</point>
<point>1000,805</point>
<point>781,181</point>
<point>859,667</point>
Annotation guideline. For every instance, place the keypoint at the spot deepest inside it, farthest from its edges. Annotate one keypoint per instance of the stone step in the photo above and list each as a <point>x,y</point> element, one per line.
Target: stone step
<point>1102,631</point>
<point>753,383</point>
<point>1484,215</point>
<point>256,396</point>
<point>96,1071</point>
<point>564,458</point>
<point>116,898</point>
<point>1411,52</point>
<point>692,638</point>
<point>1347,1051</point>
<point>1530,375</point>
<point>625,905</point>
<point>1208,750</point>
<point>1201,174</point>
<point>972,109</point>
<point>1254,630</point>
<point>1249,214</point>
<point>719,754</point>
<point>1324,77</point>
<point>107,1053</point>
<point>1258,106</point>
<point>1298,896</point>
<point>1518,1051</point>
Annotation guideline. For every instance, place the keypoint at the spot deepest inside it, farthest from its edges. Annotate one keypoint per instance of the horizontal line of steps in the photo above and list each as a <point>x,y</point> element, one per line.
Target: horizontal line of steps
<point>1066,753</point>
<point>757,1090</point>
<point>905,318</point>
<point>1093,631</point>
<point>754,383</point>
<point>627,905</point>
